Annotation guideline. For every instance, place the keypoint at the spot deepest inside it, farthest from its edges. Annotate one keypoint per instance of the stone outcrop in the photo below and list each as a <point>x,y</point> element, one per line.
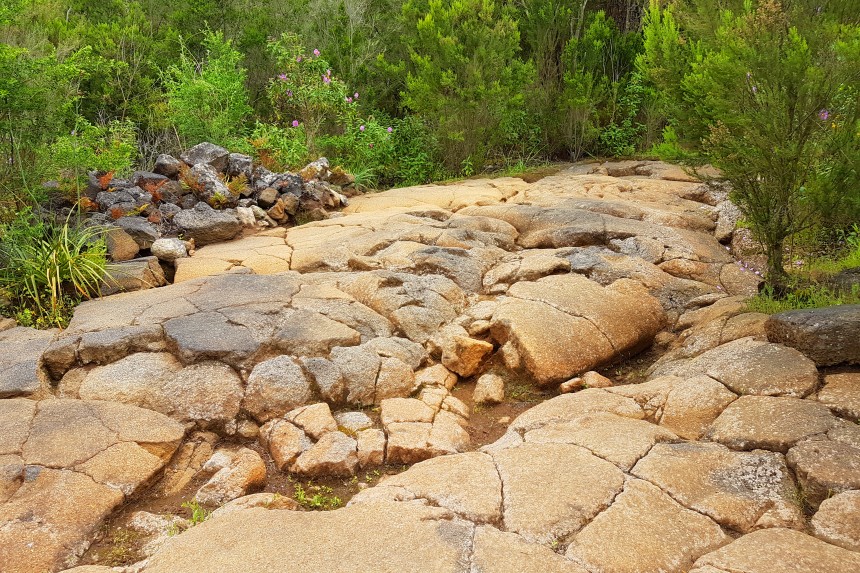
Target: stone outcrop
<point>826,335</point>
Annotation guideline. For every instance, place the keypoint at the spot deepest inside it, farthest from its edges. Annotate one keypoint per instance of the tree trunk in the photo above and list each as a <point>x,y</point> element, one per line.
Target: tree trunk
<point>777,278</point>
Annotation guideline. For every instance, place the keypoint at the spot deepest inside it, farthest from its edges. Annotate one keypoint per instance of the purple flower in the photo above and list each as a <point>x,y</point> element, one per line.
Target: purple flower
<point>749,75</point>
<point>361,128</point>
<point>298,58</point>
<point>328,72</point>
<point>316,52</point>
<point>824,115</point>
<point>346,99</point>
<point>390,130</point>
<point>370,145</point>
<point>295,123</point>
<point>282,77</point>
<point>755,89</point>
<point>349,100</point>
<point>289,93</point>
<point>355,95</point>
<point>326,80</point>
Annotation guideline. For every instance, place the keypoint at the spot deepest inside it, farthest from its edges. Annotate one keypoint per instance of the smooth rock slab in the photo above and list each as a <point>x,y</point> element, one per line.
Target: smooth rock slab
<point>837,520</point>
<point>622,441</point>
<point>82,458</point>
<point>382,537</point>
<point>645,530</point>
<point>468,484</point>
<point>19,361</point>
<point>553,490</point>
<point>739,490</point>
<point>499,552</point>
<point>748,366</point>
<point>825,467</point>
<point>841,393</point>
<point>769,422</point>
<point>782,550</point>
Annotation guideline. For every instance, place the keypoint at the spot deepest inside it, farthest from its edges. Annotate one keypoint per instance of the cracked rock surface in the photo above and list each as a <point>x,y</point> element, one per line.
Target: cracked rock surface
<point>338,346</point>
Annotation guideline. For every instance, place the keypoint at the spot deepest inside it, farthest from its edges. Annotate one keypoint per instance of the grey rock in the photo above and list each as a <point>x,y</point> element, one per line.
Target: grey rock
<point>142,231</point>
<point>138,274</point>
<point>169,250</point>
<point>206,225</point>
<point>213,188</point>
<point>167,165</point>
<point>267,197</point>
<point>143,178</point>
<point>19,361</point>
<point>207,153</point>
<point>828,336</point>
<point>239,164</point>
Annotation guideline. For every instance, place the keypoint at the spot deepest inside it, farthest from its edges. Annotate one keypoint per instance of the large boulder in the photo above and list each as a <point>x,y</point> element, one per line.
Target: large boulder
<point>826,335</point>
<point>208,154</point>
<point>206,225</point>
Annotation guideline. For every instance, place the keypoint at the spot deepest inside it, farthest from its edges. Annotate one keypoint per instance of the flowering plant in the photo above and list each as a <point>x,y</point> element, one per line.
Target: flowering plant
<point>305,92</point>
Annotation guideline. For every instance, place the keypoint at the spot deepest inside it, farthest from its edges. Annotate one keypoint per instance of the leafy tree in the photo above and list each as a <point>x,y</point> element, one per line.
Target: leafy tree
<point>777,92</point>
<point>465,76</point>
<point>207,99</point>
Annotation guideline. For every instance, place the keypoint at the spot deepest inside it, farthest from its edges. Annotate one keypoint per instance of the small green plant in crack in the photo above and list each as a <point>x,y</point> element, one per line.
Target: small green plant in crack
<point>199,514</point>
<point>123,550</point>
<point>316,497</point>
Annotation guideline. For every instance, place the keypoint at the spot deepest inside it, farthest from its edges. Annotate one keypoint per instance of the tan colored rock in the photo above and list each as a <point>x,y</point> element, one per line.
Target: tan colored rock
<point>467,484</point>
<point>333,455</point>
<point>190,268</point>
<point>284,441</point>
<point>405,410</point>
<point>569,406</point>
<point>784,550</point>
<point>408,442</point>
<point>837,520</point>
<point>464,355</point>
<point>455,406</point>
<point>622,441</point>
<point>498,552</point>
<point>693,404</point>
<point>769,422</point>
<point>124,466</point>
<point>748,366</point>
<point>189,460</point>
<point>353,422</point>
<point>436,375</point>
<point>739,490</point>
<point>370,447</point>
<point>385,537</point>
<point>544,497</point>
<point>589,379</point>
<point>447,435</point>
<point>395,378</point>
<point>490,389</point>
<point>237,471</point>
<point>825,467</point>
<point>265,500</point>
<point>659,534</point>
<point>275,387</point>
<point>50,519</point>
<point>841,393</point>
<point>316,420</point>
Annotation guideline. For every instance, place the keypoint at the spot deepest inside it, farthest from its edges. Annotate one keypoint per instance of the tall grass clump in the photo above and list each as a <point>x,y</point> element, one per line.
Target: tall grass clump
<point>46,268</point>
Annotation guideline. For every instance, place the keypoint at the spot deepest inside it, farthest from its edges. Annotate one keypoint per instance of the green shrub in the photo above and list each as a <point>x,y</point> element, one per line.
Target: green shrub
<point>305,92</point>
<point>465,76</point>
<point>279,148</point>
<point>111,147</point>
<point>46,268</point>
<point>207,99</point>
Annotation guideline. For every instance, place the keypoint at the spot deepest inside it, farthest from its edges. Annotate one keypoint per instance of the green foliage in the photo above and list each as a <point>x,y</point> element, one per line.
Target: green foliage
<point>199,514</point>
<point>45,268</point>
<point>279,148</point>
<point>206,98</point>
<point>316,497</point>
<point>812,296</point>
<point>90,147</point>
<point>465,77</point>
<point>305,93</point>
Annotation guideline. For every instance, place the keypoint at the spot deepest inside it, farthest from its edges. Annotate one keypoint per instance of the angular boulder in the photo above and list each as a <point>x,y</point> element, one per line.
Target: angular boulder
<point>826,335</point>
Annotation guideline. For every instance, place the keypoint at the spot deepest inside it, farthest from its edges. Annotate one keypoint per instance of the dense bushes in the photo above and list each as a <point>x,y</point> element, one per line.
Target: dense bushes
<point>407,91</point>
